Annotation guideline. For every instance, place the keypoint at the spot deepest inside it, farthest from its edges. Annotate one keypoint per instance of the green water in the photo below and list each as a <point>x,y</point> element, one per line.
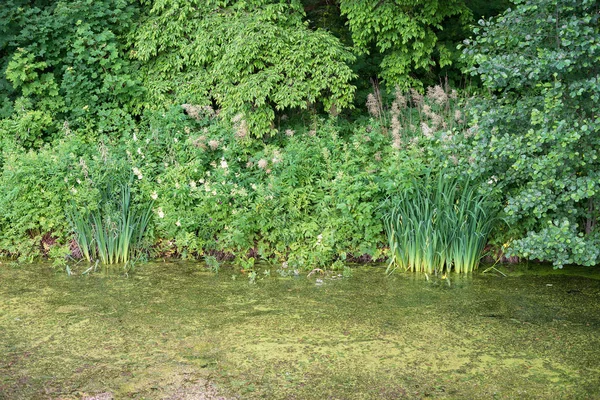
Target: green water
<point>176,331</point>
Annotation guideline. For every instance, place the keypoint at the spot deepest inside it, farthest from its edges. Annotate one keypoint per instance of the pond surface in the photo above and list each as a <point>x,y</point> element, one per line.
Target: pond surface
<point>177,331</point>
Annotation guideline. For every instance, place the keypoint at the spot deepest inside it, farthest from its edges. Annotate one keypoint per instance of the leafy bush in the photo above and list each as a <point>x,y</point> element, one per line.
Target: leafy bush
<point>37,186</point>
<point>250,58</point>
<point>216,191</point>
<point>64,64</point>
<point>404,32</point>
<point>538,133</point>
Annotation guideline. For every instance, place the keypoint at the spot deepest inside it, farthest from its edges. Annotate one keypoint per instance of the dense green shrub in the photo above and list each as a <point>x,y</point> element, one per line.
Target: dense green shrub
<point>250,58</point>
<point>63,64</point>
<point>37,186</point>
<point>284,199</point>
<point>538,132</point>
<point>405,32</point>
<point>307,195</point>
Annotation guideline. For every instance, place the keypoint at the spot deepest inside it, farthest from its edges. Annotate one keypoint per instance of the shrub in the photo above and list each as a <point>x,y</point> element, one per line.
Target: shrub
<point>538,135</point>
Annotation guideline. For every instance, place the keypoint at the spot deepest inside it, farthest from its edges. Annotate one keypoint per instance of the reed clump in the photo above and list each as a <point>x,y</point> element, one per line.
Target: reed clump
<point>439,226</point>
<point>112,233</point>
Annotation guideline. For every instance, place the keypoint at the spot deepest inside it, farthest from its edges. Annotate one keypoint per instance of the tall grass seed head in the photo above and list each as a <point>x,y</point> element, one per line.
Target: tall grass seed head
<point>401,100</point>
<point>241,131</point>
<point>372,105</point>
<point>427,131</point>
<point>416,97</point>
<point>276,157</point>
<point>437,94</point>
<point>199,142</point>
<point>213,144</point>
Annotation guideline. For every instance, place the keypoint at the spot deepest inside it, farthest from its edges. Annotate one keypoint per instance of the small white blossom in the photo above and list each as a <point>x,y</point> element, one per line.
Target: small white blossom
<point>224,163</point>
<point>161,214</point>
<point>178,223</point>
<point>137,172</point>
<point>154,195</point>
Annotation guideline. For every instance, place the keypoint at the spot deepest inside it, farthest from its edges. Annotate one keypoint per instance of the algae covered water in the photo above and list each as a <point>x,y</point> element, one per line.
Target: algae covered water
<point>177,331</point>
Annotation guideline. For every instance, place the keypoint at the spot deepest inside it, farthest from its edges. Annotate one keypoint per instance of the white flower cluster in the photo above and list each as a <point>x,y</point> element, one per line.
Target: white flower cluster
<point>137,172</point>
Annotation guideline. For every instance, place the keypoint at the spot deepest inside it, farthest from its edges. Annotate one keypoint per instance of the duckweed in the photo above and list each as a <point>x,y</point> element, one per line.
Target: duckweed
<point>177,331</point>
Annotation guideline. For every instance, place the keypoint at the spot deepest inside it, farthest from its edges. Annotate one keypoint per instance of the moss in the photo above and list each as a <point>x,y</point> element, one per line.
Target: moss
<point>169,329</point>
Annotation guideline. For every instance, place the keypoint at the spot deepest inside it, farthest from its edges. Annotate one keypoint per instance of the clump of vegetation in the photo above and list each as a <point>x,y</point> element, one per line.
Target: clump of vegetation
<point>244,121</point>
<point>438,226</point>
<point>112,233</point>
<point>539,134</point>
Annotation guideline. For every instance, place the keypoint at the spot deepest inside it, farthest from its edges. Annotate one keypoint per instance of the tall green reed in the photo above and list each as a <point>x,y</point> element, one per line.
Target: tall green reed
<point>113,233</point>
<point>439,226</point>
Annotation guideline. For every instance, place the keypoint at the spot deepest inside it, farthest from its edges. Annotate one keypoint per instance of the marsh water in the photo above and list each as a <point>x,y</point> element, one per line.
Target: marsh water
<point>178,331</point>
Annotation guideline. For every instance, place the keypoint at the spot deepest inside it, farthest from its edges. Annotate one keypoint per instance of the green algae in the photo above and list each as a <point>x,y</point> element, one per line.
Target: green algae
<point>170,328</point>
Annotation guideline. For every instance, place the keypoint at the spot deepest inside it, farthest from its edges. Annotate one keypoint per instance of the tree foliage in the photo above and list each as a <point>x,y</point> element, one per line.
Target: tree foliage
<point>540,129</point>
<point>405,32</point>
<point>247,57</point>
<point>63,62</point>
